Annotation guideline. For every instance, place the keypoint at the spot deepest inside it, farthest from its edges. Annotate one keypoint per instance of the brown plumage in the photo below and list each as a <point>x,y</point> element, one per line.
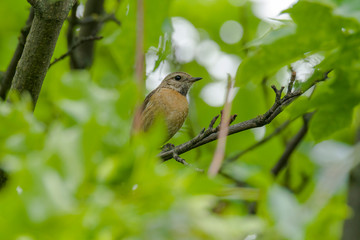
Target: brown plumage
<point>169,101</point>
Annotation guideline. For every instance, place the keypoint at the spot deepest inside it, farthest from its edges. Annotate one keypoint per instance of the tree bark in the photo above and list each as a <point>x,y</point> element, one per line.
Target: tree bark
<point>40,44</point>
<point>10,72</point>
<point>83,56</point>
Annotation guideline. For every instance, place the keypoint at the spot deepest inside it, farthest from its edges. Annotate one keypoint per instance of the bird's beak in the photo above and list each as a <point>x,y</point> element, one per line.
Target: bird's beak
<point>195,79</point>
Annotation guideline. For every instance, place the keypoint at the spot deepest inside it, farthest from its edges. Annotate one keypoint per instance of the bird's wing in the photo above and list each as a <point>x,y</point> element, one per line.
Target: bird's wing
<point>147,99</point>
<point>147,112</point>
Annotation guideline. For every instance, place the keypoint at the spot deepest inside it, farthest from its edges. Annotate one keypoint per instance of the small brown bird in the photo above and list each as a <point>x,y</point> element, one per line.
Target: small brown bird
<point>169,101</point>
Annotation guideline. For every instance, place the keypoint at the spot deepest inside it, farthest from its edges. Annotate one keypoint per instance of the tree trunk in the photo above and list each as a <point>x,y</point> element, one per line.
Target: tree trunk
<point>40,44</point>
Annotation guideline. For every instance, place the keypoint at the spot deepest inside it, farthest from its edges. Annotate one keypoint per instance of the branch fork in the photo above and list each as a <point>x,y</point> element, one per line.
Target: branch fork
<point>202,135</point>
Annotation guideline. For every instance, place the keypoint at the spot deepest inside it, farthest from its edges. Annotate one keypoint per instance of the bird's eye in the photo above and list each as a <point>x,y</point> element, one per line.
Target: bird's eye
<point>177,77</point>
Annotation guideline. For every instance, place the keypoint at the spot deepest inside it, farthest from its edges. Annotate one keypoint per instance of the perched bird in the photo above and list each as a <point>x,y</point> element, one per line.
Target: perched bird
<point>169,101</point>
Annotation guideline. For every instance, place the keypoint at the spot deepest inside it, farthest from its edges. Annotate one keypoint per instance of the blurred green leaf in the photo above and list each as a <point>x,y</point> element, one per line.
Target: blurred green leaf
<point>76,170</point>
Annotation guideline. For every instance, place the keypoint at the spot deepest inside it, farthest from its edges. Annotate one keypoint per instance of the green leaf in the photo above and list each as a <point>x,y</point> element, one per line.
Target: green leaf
<point>334,104</point>
<point>321,32</point>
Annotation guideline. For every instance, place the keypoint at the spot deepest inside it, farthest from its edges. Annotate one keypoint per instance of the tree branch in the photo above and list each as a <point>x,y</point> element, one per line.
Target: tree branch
<point>31,70</point>
<point>82,57</point>
<point>261,142</point>
<point>70,36</point>
<point>81,41</point>
<point>99,19</point>
<point>183,161</point>
<point>230,177</point>
<point>10,72</point>
<point>209,135</point>
<point>292,80</point>
<point>284,159</point>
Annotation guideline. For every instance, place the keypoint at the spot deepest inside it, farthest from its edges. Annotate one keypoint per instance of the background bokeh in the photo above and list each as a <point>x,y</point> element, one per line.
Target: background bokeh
<point>75,173</point>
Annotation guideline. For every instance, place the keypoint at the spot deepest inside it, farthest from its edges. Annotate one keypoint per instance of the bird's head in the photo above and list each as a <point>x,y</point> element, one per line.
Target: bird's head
<point>179,81</point>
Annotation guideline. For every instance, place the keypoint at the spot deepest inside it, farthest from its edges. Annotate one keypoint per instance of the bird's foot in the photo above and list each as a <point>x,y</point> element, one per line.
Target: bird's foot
<point>168,147</point>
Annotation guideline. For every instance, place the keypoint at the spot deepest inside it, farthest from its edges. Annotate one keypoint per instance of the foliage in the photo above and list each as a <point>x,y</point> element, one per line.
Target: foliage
<point>75,172</point>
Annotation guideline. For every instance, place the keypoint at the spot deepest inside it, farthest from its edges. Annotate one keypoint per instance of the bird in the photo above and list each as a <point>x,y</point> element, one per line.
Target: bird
<point>168,101</point>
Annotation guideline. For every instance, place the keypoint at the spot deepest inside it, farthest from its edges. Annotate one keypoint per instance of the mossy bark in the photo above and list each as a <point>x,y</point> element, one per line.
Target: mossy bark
<point>40,44</point>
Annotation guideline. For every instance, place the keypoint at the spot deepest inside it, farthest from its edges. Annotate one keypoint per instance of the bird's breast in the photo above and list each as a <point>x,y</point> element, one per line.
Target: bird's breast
<point>173,106</point>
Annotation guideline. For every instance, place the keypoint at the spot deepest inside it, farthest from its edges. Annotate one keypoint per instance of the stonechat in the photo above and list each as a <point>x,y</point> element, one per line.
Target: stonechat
<point>168,101</point>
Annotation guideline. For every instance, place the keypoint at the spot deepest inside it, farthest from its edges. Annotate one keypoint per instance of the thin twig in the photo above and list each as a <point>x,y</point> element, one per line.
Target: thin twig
<point>183,161</point>
<point>81,41</point>
<point>284,159</point>
<point>223,132</point>
<point>228,176</point>
<point>292,80</point>
<point>261,142</point>
<point>99,19</point>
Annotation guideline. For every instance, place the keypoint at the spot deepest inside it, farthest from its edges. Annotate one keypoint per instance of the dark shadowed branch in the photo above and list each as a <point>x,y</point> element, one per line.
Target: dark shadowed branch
<point>291,146</point>
<point>1,77</point>
<point>90,25</point>
<point>232,178</point>
<point>71,36</point>
<point>259,143</point>
<point>80,41</point>
<point>99,19</point>
<point>10,72</point>
<point>82,57</point>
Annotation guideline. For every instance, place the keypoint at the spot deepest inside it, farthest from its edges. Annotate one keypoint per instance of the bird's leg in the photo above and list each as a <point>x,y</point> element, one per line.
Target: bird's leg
<point>184,162</point>
<point>171,147</point>
<point>168,147</point>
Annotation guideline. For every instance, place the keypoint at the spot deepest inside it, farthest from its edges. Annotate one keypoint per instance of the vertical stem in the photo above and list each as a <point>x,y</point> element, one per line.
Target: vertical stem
<point>140,57</point>
<point>83,56</point>
<point>223,132</point>
<point>292,145</point>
